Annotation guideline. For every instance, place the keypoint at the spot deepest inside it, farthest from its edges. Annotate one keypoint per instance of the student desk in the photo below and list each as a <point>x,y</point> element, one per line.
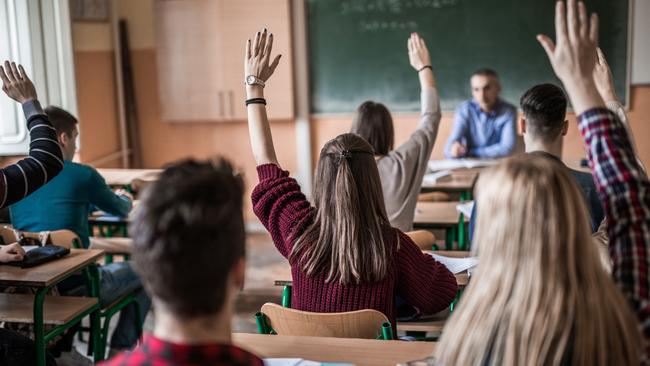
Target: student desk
<point>124,177</point>
<point>62,311</point>
<point>361,352</point>
<point>442,215</point>
<point>460,181</point>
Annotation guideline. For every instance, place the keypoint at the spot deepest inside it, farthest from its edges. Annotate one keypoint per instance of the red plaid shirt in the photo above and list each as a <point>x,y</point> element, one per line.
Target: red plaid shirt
<point>625,192</point>
<point>156,352</point>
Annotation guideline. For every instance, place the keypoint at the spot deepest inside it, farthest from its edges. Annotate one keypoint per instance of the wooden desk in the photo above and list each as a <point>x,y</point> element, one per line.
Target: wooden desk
<point>460,181</point>
<point>442,215</point>
<point>119,246</point>
<point>124,177</point>
<point>361,352</point>
<point>43,277</point>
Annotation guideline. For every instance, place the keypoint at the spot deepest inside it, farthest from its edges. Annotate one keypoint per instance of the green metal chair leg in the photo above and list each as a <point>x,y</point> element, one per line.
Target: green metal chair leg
<point>449,238</point>
<point>262,326</point>
<point>462,238</point>
<point>387,331</point>
<point>286,296</point>
<point>108,258</point>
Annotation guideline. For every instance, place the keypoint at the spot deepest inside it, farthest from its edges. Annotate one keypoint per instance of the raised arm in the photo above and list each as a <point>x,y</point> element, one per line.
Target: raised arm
<point>257,72</point>
<point>45,158</point>
<point>605,85</point>
<point>624,189</point>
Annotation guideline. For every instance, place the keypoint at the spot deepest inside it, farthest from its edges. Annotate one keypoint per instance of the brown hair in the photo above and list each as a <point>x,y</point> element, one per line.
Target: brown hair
<point>374,123</point>
<point>544,108</point>
<point>62,120</point>
<point>539,295</point>
<point>188,233</point>
<point>346,239</point>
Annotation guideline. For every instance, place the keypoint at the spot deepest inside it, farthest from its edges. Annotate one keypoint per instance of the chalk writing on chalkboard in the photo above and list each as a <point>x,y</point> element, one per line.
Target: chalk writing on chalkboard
<point>376,26</point>
<point>391,6</point>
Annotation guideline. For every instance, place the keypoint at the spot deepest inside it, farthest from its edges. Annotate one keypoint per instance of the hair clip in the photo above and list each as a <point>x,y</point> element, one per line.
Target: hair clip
<point>347,154</point>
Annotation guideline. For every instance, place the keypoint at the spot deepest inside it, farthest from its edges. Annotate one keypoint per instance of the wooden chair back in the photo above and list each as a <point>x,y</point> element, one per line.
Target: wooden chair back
<point>7,234</point>
<point>353,324</point>
<point>422,238</point>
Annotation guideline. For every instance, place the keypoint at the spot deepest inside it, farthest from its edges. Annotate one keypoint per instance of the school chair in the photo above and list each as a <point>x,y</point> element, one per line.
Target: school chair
<point>366,324</point>
<point>423,238</point>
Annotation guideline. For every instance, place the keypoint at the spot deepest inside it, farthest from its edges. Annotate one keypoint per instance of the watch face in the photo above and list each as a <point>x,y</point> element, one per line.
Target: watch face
<point>250,79</point>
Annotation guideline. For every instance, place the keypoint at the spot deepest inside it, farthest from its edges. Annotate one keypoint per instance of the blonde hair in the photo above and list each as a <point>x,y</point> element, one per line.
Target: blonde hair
<point>539,295</point>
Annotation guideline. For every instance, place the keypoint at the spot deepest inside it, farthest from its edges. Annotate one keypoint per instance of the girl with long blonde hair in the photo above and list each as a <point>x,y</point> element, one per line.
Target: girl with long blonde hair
<point>539,294</point>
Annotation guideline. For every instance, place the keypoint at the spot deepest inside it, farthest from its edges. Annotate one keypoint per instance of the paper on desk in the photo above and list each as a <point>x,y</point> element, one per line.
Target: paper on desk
<point>456,265</point>
<point>451,164</point>
<point>27,248</point>
<point>430,179</point>
<point>465,208</point>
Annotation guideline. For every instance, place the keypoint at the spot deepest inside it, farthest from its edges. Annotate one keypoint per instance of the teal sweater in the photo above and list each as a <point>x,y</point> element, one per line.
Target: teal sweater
<point>64,203</point>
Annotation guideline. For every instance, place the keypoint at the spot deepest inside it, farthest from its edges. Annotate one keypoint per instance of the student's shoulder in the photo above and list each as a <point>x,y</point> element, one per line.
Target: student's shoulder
<point>83,171</point>
<point>584,179</point>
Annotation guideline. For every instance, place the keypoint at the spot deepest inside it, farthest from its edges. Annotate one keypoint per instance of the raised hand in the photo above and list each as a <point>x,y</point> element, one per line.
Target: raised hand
<point>16,83</point>
<point>603,78</point>
<point>258,55</point>
<point>11,253</point>
<point>418,52</point>
<point>574,56</point>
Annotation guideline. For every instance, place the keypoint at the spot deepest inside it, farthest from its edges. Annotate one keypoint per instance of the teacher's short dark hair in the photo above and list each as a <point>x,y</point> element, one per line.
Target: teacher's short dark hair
<point>486,72</point>
<point>188,234</point>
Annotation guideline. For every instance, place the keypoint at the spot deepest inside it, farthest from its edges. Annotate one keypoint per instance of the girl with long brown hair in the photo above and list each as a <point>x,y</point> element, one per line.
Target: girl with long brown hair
<point>539,295</point>
<point>344,255</point>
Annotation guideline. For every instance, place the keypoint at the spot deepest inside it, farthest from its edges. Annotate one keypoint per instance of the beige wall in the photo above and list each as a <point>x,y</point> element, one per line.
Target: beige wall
<point>163,142</point>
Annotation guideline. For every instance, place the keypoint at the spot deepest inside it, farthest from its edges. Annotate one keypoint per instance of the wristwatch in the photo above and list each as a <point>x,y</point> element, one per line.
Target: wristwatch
<point>253,80</point>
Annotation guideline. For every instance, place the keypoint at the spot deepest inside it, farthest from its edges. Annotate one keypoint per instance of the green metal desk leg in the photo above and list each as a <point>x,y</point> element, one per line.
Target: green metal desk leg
<point>108,258</point>
<point>95,324</point>
<point>450,237</point>
<point>286,296</point>
<point>39,327</point>
<point>462,238</point>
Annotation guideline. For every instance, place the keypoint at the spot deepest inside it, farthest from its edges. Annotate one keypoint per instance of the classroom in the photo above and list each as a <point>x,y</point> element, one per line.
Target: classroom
<point>324,182</point>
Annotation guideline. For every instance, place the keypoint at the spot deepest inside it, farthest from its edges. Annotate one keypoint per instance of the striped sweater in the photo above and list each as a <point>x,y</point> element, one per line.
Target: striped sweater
<point>44,161</point>
<point>413,275</point>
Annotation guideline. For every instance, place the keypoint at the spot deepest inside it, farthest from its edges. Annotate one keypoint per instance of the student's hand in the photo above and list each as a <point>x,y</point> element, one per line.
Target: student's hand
<point>11,253</point>
<point>258,54</point>
<point>458,150</point>
<point>603,78</point>
<point>574,56</point>
<point>418,52</point>
<point>16,84</point>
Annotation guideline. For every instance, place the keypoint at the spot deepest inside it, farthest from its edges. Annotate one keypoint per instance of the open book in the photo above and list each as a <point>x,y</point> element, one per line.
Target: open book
<point>451,164</point>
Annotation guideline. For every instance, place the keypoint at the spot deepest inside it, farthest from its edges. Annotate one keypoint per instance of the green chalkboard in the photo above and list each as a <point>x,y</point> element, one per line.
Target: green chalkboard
<point>357,48</point>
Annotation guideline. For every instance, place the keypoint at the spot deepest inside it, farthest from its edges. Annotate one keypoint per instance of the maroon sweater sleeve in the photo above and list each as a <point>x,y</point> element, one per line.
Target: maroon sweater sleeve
<point>423,282</point>
<point>281,207</point>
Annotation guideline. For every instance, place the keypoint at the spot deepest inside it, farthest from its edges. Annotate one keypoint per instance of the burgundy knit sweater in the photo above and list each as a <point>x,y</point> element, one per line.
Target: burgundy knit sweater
<point>415,276</point>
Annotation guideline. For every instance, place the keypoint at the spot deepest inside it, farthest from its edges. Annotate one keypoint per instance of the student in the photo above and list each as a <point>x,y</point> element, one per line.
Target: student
<point>550,300</point>
<point>544,126</point>
<point>64,204</point>
<point>401,170</point>
<point>484,127</point>
<point>66,201</point>
<point>189,245</point>
<point>344,255</point>
<point>45,159</point>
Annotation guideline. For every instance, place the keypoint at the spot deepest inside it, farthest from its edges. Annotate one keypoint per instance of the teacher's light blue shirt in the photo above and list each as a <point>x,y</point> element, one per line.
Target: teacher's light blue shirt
<point>485,134</point>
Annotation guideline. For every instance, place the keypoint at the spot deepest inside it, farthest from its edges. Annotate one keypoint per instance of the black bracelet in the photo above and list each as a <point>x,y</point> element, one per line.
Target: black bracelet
<point>426,67</point>
<point>255,101</point>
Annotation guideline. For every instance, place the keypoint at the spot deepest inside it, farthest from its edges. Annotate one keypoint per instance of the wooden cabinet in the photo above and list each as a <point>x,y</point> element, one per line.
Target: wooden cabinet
<point>200,57</point>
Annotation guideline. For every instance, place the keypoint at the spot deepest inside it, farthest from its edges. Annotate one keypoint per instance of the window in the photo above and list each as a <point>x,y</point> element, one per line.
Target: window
<point>35,33</point>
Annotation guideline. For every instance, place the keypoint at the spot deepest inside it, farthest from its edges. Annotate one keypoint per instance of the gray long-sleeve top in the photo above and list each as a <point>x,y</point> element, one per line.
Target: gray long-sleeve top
<point>402,170</point>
